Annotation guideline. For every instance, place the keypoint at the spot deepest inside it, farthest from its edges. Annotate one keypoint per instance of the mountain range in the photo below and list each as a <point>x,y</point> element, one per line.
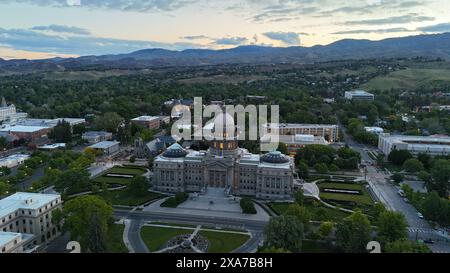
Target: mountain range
<point>433,46</point>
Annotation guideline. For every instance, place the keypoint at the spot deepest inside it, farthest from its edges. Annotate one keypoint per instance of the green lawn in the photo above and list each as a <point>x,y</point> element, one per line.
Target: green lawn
<point>115,239</point>
<point>361,199</point>
<point>156,237</point>
<point>318,211</point>
<point>119,170</point>
<point>124,198</point>
<point>221,242</point>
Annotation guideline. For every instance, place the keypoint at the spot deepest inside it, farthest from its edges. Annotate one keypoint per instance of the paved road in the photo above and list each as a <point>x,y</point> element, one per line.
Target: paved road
<point>388,195</point>
<point>138,218</point>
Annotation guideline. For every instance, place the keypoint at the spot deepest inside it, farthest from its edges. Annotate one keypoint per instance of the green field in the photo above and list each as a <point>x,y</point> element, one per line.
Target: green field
<point>124,198</point>
<point>115,239</point>
<point>155,238</point>
<point>221,242</point>
<point>318,211</point>
<point>119,170</point>
<point>410,79</point>
<point>361,199</point>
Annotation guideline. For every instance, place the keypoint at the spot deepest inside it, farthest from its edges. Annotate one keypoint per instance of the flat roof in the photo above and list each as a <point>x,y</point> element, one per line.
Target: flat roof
<point>104,144</point>
<point>22,128</point>
<point>406,138</point>
<point>146,118</point>
<point>18,200</point>
<point>15,157</point>
<point>53,146</point>
<point>300,125</point>
<point>6,237</point>
<point>358,92</point>
<point>96,133</point>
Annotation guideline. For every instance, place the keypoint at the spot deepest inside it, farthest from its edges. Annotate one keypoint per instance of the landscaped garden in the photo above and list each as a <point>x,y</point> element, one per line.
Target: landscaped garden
<point>156,238</point>
<point>119,175</point>
<point>318,211</point>
<point>125,198</point>
<point>348,195</point>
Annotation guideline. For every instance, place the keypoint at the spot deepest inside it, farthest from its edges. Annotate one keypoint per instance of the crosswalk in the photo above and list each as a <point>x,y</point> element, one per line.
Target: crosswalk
<point>421,230</point>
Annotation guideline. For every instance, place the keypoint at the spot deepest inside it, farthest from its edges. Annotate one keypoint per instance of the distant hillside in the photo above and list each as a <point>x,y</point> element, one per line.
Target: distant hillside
<point>434,46</point>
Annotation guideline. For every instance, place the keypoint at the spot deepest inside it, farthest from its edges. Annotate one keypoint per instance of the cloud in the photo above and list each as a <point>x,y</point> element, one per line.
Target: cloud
<point>195,37</point>
<point>444,27</point>
<point>38,41</point>
<point>63,29</point>
<point>124,5</point>
<point>377,31</point>
<point>288,38</point>
<point>230,41</point>
<point>408,18</point>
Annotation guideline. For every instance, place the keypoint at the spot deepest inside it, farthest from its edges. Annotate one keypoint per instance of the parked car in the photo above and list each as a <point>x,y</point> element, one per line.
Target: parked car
<point>406,200</point>
<point>428,241</point>
<point>420,215</point>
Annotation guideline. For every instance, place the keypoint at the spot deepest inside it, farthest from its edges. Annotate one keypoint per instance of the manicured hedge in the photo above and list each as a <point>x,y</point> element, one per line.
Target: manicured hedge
<point>247,206</point>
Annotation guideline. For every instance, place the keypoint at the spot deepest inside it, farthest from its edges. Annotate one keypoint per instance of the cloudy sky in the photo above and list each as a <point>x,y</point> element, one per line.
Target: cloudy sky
<point>48,28</point>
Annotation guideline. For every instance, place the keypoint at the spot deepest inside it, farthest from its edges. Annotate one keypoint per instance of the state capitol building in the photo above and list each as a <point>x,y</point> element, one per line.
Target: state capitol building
<point>224,165</point>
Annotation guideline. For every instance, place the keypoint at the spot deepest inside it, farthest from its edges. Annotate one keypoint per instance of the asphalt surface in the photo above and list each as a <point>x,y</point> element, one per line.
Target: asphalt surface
<point>419,229</point>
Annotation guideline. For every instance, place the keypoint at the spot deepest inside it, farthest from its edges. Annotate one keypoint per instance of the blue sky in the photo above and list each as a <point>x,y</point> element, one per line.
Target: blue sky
<point>47,28</point>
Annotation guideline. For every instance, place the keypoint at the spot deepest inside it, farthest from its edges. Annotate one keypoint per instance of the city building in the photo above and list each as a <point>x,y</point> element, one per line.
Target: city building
<point>224,165</point>
<point>96,136</point>
<point>106,147</point>
<point>329,132</point>
<point>28,213</point>
<point>52,147</point>
<point>374,130</point>
<point>432,145</point>
<point>151,122</point>
<point>295,142</point>
<point>359,95</point>
<point>13,242</point>
<point>9,112</point>
<point>13,160</point>
<point>30,133</point>
<point>152,148</point>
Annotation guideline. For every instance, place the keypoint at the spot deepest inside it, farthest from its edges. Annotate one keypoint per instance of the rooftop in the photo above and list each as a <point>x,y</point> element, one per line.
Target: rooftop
<point>22,128</point>
<point>25,200</point>
<point>358,92</point>
<point>298,125</point>
<point>96,133</point>
<point>104,144</point>
<point>146,118</point>
<point>6,237</point>
<point>14,157</point>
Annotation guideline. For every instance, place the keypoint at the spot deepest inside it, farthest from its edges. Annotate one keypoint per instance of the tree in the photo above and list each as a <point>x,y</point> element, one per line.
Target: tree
<point>301,213</point>
<point>406,246</point>
<point>62,132</point>
<point>413,165</point>
<point>325,229</point>
<point>441,177</point>
<point>321,168</point>
<point>138,186</point>
<point>303,170</point>
<point>353,233</point>
<point>435,208</point>
<point>392,226</point>
<point>299,197</point>
<point>398,157</point>
<point>109,122</point>
<point>283,148</point>
<point>425,159</point>
<point>4,187</point>
<point>274,250</point>
<point>5,171</point>
<point>247,206</point>
<point>397,177</point>
<point>425,177</point>
<point>86,218</point>
<point>72,181</point>
<point>285,232</point>
<point>3,143</point>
